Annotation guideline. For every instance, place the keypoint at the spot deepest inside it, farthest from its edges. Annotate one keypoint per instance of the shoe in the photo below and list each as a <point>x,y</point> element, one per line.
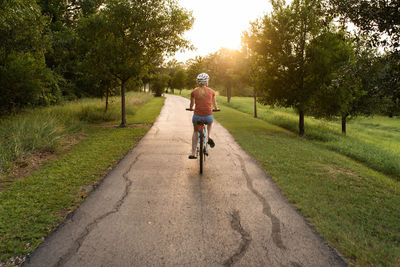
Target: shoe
<point>211,142</point>
<point>192,157</point>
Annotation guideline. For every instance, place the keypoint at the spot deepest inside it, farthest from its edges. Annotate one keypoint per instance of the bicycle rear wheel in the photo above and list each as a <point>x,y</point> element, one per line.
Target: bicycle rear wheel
<point>201,153</point>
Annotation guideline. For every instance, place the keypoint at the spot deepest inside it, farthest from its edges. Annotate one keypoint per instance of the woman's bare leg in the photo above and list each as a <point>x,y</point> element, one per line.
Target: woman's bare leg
<point>194,139</point>
<point>209,127</point>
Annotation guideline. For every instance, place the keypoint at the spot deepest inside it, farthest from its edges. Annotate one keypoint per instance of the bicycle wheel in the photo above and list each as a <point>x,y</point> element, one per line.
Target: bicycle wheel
<point>201,153</point>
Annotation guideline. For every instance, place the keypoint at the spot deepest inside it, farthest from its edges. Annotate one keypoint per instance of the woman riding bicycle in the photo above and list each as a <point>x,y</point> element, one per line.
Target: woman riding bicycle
<point>202,98</point>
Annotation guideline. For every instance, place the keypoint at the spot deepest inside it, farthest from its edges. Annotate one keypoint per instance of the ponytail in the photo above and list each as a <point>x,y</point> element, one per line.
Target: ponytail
<point>202,92</point>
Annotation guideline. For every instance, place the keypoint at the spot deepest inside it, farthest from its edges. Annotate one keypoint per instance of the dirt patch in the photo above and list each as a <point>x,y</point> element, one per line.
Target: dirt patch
<point>334,170</point>
<point>135,101</point>
<point>14,261</point>
<point>133,125</point>
<point>32,162</point>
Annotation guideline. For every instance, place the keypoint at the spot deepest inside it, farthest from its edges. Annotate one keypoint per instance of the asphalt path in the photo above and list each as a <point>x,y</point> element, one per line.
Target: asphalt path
<point>155,209</point>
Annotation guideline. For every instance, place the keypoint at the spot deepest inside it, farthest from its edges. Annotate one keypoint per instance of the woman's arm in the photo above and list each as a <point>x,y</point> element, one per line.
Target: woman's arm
<point>191,101</point>
<point>214,102</point>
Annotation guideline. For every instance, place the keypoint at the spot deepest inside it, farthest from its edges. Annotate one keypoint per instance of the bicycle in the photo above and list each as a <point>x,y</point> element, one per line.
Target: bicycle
<point>202,142</point>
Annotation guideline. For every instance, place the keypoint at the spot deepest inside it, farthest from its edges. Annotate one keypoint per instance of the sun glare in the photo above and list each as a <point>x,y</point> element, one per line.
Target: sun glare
<point>220,23</point>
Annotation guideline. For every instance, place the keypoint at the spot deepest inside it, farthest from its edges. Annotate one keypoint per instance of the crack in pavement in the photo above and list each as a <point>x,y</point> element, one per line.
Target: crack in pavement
<point>79,241</point>
<point>182,140</point>
<point>157,130</point>
<point>295,264</point>
<point>244,243</point>
<point>276,224</point>
<point>202,211</point>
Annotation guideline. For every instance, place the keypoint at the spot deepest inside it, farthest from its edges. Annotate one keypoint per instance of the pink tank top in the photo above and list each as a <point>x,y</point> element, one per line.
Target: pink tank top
<point>203,105</point>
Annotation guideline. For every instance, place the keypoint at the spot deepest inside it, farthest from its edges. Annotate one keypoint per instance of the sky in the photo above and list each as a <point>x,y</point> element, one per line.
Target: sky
<point>219,23</point>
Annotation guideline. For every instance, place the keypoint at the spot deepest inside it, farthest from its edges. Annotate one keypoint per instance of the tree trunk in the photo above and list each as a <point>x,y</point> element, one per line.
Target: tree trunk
<point>301,122</point>
<point>106,100</point>
<point>228,94</point>
<point>344,118</point>
<point>123,111</point>
<point>255,103</point>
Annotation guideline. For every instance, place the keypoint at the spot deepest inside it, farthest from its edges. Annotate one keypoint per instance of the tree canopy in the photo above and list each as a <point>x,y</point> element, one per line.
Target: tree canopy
<point>125,37</point>
<point>373,17</point>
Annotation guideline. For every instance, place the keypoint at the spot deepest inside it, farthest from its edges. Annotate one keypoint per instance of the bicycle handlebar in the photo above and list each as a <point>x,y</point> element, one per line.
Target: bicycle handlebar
<point>214,110</point>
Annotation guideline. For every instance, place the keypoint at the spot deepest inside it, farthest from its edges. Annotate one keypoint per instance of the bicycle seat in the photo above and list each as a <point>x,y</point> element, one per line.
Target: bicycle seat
<point>201,122</point>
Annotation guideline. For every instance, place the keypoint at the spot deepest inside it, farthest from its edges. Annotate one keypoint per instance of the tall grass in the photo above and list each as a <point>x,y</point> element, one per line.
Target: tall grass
<point>374,141</point>
<point>41,129</point>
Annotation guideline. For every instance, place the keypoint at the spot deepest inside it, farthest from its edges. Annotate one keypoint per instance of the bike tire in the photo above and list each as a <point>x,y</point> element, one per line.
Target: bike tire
<point>201,153</point>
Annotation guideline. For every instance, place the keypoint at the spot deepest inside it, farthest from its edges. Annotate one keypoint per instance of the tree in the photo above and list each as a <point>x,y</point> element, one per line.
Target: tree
<point>379,20</point>
<point>374,17</point>
<point>24,77</point>
<point>159,83</point>
<point>340,80</point>
<point>389,83</point>
<point>250,68</point>
<point>194,67</point>
<point>132,34</point>
<point>178,80</point>
<point>282,40</point>
<point>170,68</point>
<point>222,69</point>
<point>65,57</point>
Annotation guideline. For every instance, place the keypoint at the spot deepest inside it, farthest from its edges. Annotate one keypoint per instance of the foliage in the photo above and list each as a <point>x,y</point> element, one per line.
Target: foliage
<point>63,50</point>
<point>125,37</point>
<point>179,79</point>
<point>223,66</point>
<point>195,67</point>
<point>379,22</point>
<point>389,83</point>
<point>159,83</point>
<point>171,68</point>
<point>376,17</point>
<point>24,77</point>
<point>333,74</point>
<point>283,39</point>
<point>25,80</point>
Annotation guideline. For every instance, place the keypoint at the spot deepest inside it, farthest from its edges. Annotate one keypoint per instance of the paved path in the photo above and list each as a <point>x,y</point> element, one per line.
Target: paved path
<point>154,209</point>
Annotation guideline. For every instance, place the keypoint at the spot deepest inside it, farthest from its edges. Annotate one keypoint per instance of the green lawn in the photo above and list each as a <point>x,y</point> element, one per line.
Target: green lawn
<point>353,207</point>
<point>32,207</point>
<point>373,141</point>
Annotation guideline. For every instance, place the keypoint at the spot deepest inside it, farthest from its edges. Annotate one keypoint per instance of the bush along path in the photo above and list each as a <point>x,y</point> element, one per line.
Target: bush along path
<point>33,207</point>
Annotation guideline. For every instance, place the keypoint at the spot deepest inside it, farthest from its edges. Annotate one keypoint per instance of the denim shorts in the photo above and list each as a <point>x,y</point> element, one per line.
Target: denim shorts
<point>208,119</point>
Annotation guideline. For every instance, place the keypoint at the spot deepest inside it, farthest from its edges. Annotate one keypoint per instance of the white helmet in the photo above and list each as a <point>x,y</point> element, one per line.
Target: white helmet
<point>202,78</point>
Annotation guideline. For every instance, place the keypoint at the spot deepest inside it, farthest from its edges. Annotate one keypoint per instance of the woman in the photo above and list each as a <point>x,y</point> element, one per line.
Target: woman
<point>202,97</point>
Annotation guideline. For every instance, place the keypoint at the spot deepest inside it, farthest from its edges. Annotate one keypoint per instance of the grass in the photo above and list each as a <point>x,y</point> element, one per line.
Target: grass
<point>44,129</point>
<point>31,208</point>
<point>373,141</point>
<point>355,208</point>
